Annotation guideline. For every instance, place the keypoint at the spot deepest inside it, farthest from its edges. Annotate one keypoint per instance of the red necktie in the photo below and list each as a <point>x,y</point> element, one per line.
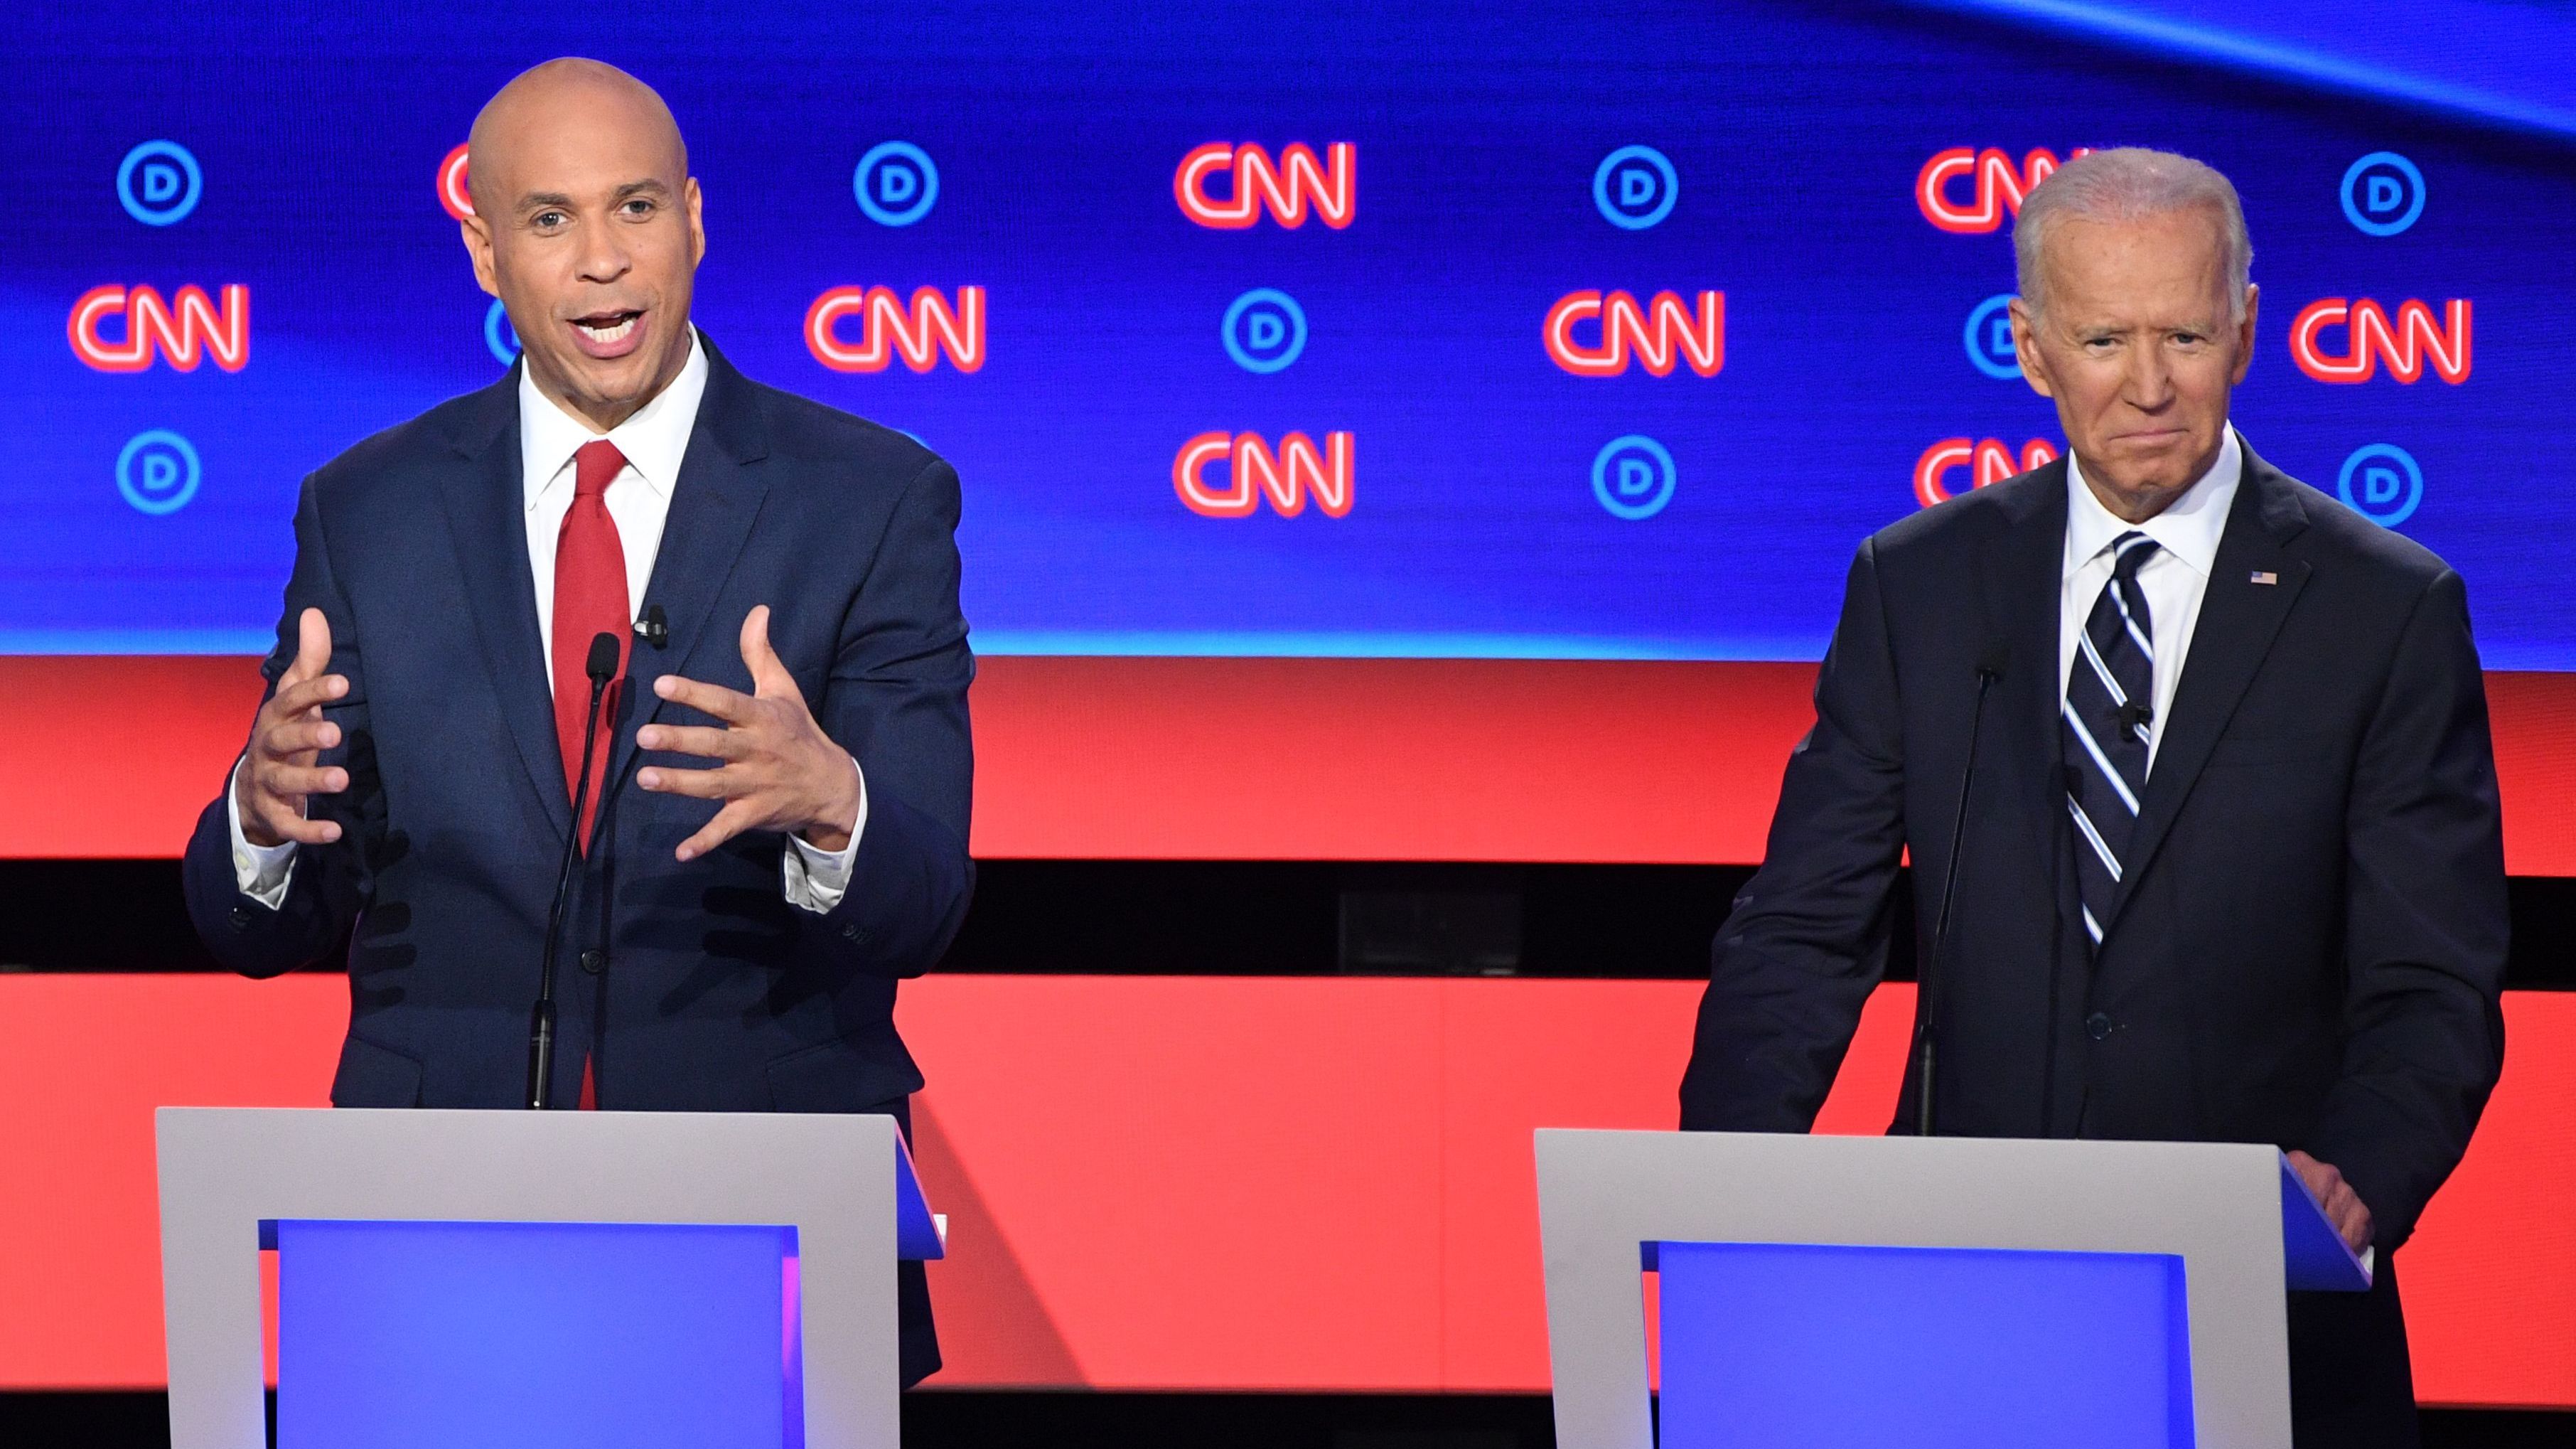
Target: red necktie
<point>590,599</point>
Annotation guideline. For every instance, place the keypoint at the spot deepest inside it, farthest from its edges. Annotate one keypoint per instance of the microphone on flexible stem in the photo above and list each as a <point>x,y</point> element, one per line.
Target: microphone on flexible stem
<point>1990,667</point>
<point>601,666</point>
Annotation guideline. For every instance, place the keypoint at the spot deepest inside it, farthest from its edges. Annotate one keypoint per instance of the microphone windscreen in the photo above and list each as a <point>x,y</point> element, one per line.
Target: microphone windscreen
<point>1991,663</point>
<point>602,665</point>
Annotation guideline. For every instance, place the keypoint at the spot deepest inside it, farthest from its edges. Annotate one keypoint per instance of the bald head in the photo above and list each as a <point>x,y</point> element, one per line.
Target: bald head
<point>586,225</point>
<point>569,92</point>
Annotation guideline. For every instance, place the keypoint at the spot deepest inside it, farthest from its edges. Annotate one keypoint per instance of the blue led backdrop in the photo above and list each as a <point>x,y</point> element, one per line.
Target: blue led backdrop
<point>1541,329</point>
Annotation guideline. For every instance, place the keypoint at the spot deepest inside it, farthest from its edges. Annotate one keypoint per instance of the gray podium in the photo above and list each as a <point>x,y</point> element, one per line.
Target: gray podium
<point>566,1278</point>
<point>1825,1291</point>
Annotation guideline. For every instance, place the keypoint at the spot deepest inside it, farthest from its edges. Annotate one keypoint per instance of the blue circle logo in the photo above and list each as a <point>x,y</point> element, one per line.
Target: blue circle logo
<point>896,183</point>
<point>159,183</point>
<point>2383,193</point>
<point>1635,187</point>
<point>1264,330</point>
<point>1989,338</point>
<point>499,335</point>
<point>2381,483</point>
<point>158,471</point>
<point>1633,477</point>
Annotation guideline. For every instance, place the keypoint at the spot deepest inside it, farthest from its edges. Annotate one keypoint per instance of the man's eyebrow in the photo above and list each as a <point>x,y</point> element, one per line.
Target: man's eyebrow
<point>535,199</point>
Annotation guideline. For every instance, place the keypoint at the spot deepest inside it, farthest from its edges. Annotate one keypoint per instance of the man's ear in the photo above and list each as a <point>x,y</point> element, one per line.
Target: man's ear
<point>2245,335</point>
<point>2034,367</point>
<point>697,221</point>
<point>477,235</point>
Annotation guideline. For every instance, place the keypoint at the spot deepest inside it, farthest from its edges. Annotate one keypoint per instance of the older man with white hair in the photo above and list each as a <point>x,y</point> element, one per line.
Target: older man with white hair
<point>2233,868</point>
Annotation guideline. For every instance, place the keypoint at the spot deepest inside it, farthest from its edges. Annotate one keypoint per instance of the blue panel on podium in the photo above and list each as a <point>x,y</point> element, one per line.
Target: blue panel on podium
<point>1828,1346</point>
<point>408,1335</point>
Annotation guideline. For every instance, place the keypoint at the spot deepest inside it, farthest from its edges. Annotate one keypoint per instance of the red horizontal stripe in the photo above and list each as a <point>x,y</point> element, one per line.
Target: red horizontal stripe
<point>1195,1183</point>
<point>1249,759</point>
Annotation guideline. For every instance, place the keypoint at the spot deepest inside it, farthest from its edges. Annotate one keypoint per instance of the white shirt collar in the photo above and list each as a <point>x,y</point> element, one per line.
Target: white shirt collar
<point>2189,529</point>
<point>653,440</point>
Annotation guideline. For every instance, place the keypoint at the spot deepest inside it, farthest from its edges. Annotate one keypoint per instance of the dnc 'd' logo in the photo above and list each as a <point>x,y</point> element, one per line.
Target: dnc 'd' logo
<point>2406,344</point>
<point>1289,189</point>
<point>1969,191</point>
<point>1296,472</point>
<point>1988,463</point>
<point>1662,334</point>
<point>921,335</point>
<point>183,331</point>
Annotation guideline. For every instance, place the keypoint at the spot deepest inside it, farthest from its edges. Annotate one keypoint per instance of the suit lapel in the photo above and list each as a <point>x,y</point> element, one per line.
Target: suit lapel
<point>2018,572</point>
<point>486,520</point>
<point>2238,621</point>
<point>713,503</point>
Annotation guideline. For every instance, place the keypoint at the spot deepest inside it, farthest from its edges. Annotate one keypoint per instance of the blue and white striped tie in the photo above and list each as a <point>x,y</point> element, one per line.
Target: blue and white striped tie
<point>2108,711</point>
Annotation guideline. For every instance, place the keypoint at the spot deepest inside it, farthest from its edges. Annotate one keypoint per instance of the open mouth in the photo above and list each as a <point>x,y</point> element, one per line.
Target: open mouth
<point>607,334</point>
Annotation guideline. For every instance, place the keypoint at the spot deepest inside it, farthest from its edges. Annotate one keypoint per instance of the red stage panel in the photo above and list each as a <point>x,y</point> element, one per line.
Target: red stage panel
<point>2490,1279</point>
<point>1210,759</point>
<point>1156,1183</point>
<point>83,1061</point>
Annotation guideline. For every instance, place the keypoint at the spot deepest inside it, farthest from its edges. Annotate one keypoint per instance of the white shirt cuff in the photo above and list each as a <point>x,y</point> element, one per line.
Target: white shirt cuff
<point>263,872</point>
<point>818,878</point>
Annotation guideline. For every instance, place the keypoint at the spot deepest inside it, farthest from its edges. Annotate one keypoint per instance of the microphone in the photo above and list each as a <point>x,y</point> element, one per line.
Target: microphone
<point>601,666</point>
<point>655,627</point>
<point>1990,667</point>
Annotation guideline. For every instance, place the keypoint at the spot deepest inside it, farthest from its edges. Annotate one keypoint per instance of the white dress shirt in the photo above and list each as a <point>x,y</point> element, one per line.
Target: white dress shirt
<point>653,441</point>
<point>2174,577</point>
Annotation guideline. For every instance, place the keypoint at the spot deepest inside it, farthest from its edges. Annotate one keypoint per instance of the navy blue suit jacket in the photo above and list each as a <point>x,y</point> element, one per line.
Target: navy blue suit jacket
<point>714,993</point>
<point>2312,934</point>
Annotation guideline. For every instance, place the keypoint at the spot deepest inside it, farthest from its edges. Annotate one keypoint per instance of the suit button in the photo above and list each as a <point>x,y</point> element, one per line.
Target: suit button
<point>2097,1026</point>
<point>241,918</point>
<point>593,962</point>
<point>852,933</point>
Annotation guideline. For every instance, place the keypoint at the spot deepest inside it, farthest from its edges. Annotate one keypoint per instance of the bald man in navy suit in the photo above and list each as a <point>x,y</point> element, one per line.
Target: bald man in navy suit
<point>774,825</point>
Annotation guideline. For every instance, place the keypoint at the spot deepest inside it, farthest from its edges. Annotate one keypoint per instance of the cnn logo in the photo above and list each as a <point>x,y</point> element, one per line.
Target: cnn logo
<point>1290,189</point>
<point>183,330</point>
<point>1987,463</point>
<point>930,328</point>
<point>1994,186</point>
<point>2408,343</point>
<point>1662,334</point>
<point>1296,472</point>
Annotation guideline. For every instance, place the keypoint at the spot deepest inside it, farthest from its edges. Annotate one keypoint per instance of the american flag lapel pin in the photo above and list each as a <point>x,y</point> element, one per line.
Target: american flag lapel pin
<point>2266,576</point>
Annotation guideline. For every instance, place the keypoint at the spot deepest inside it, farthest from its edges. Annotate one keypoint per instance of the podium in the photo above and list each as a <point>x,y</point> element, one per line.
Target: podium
<point>1831,1291</point>
<point>567,1278</point>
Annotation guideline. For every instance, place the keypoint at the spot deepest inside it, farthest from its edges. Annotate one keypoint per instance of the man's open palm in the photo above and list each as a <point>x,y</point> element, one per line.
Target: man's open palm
<point>775,768</point>
<point>279,774</point>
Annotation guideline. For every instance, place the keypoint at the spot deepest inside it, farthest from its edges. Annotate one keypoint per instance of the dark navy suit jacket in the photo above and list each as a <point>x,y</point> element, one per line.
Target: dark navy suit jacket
<point>2312,936</point>
<point>713,993</point>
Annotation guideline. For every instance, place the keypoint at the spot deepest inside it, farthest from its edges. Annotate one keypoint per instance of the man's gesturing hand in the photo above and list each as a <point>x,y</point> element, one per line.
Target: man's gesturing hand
<point>776,769</point>
<point>278,773</point>
<point>2344,1207</point>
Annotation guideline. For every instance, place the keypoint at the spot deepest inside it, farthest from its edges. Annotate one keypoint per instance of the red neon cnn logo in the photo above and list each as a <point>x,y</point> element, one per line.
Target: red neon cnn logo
<point>887,331</point>
<point>1989,462</point>
<point>2406,345</point>
<point>1660,334</point>
<point>182,331</point>
<point>1287,478</point>
<point>1286,188</point>
<point>453,195</point>
<point>1995,186</point>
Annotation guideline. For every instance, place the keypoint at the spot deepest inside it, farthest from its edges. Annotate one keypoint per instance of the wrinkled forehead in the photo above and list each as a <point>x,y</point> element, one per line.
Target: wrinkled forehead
<point>2168,267</point>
